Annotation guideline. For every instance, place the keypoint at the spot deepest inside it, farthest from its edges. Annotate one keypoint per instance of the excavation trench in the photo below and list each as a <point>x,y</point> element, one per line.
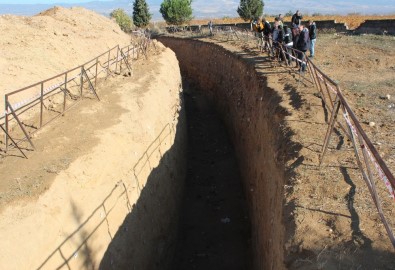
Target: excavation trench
<point>137,212</point>
<point>252,116</point>
<point>214,226</point>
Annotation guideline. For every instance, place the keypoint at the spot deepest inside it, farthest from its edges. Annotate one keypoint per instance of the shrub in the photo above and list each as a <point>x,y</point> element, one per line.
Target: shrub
<point>123,20</point>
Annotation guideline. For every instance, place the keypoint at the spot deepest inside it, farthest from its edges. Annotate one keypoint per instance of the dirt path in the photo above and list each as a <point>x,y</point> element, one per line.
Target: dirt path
<point>214,229</point>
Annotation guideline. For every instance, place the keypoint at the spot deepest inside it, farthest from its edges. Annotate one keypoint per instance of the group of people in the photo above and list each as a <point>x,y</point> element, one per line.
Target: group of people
<point>300,37</point>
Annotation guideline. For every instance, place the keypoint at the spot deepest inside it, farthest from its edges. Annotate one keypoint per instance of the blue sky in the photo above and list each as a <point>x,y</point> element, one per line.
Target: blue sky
<point>222,8</point>
<point>50,2</point>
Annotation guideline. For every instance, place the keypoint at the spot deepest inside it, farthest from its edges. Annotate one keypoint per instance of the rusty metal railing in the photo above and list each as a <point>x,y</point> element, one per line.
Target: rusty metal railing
<point>30,108</point>
<point>369,161</point>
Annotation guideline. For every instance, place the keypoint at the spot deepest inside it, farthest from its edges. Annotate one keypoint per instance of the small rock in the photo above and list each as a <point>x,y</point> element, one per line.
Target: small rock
<point>372,124</point>
<point>385,97</point>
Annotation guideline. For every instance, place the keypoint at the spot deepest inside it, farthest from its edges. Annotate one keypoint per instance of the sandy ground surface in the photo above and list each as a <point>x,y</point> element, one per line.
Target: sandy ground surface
<point>39,47</point>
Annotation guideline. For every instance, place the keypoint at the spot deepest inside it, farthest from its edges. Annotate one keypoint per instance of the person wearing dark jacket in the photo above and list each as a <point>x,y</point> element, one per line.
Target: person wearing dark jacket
<point>296,19</point>
<point>288,43</point>
<point>267,29</point>
<point>295,38</point>
<point>303,45</point>
<point>313,37</point>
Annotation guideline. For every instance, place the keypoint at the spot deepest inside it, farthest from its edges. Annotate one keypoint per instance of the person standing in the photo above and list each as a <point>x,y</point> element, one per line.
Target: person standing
<point>288,43</point>
<point>313,36</point>
<point>303,45</point>
<point>210,27</point>
<point>267,29</point>
<point>296,19</point>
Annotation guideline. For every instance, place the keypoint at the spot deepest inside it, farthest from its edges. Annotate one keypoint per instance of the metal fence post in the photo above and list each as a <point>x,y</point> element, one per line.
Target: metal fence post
<point>97,63</point>
<point>116,60</point>
<point>42,104</point>
<point>82,79</point>
<point>6,121</point>
<point>64,93</point>
<point>108,62</point>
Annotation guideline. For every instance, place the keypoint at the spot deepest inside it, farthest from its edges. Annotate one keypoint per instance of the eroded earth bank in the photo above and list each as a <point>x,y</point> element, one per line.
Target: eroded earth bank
<point>303,216</point>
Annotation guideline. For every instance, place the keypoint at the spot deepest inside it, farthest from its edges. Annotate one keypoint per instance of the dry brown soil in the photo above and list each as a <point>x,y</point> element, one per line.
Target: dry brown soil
<point>332,223</point>
<point>81,193</point>
<point>335,223</point>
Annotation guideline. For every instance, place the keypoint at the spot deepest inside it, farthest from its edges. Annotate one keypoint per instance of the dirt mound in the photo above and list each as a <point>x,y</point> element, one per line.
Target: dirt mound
<point>39,47</point>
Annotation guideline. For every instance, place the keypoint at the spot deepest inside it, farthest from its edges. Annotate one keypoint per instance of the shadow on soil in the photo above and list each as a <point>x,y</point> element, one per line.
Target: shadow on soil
<point>146,238</point>
<point>214,225</point>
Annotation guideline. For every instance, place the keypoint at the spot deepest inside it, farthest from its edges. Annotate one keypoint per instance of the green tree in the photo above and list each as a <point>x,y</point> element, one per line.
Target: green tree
<point>141,15</point>
<point>250,9</point>
<point>124,21</point>
<point>176,12</point>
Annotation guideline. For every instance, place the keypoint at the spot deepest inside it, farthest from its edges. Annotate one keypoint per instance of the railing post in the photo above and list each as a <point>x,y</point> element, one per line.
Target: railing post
<point>120,62</point>
<point>116,60</point>
<point>127,57</point>
<point>329,130</point>
<point>82,80</point>
<point>42,104</point>
<point>6,121</point>
<point>108,62</point>
<point>97,63</point>
<point>64,93</point>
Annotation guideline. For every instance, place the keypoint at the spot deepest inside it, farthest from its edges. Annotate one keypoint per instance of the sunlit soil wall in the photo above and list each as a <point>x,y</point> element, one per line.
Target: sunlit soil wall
<point>253,117</point>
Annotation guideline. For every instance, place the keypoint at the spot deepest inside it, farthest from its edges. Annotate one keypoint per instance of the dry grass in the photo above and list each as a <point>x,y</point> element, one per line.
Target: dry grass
<point>352,21</point>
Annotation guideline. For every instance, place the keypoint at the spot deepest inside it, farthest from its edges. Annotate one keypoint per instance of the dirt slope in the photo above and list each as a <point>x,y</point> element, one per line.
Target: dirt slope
<point>39,47</point>
<point>85,188</point>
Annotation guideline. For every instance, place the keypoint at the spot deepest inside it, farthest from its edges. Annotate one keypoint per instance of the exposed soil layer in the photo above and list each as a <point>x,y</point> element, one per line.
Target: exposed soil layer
<point>252,115</point>
<point>304,216</point>
<point>102,189</point>
<point>214,225</point>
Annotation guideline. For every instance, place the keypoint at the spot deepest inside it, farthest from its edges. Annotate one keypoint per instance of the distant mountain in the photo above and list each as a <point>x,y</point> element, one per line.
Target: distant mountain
<point>201,8</point>
<point>101,7</point>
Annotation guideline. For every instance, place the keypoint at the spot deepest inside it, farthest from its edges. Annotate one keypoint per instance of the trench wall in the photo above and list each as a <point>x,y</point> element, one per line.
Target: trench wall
<point>103,211</point>
<point>377,27</point>
<point>253,118</point>
<point>380,27</point>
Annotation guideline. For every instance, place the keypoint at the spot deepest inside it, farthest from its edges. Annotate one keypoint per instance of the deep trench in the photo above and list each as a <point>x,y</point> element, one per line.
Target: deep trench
<point>251,112</point>
<point>214,225</point>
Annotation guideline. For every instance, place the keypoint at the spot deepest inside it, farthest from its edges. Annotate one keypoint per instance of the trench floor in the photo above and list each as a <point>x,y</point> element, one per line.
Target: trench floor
<point>214,224</point>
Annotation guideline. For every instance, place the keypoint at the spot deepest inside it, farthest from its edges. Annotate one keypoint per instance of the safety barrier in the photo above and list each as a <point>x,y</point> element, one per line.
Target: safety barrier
<point>54,96</point>
<point>369,161</point>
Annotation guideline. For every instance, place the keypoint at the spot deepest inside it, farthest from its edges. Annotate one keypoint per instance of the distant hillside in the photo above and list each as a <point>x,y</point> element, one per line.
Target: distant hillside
<point>100,7</point>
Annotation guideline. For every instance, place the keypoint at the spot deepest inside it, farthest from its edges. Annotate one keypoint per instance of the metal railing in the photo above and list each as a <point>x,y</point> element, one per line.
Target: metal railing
<point>369,161</point>
<point>30,108</point>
